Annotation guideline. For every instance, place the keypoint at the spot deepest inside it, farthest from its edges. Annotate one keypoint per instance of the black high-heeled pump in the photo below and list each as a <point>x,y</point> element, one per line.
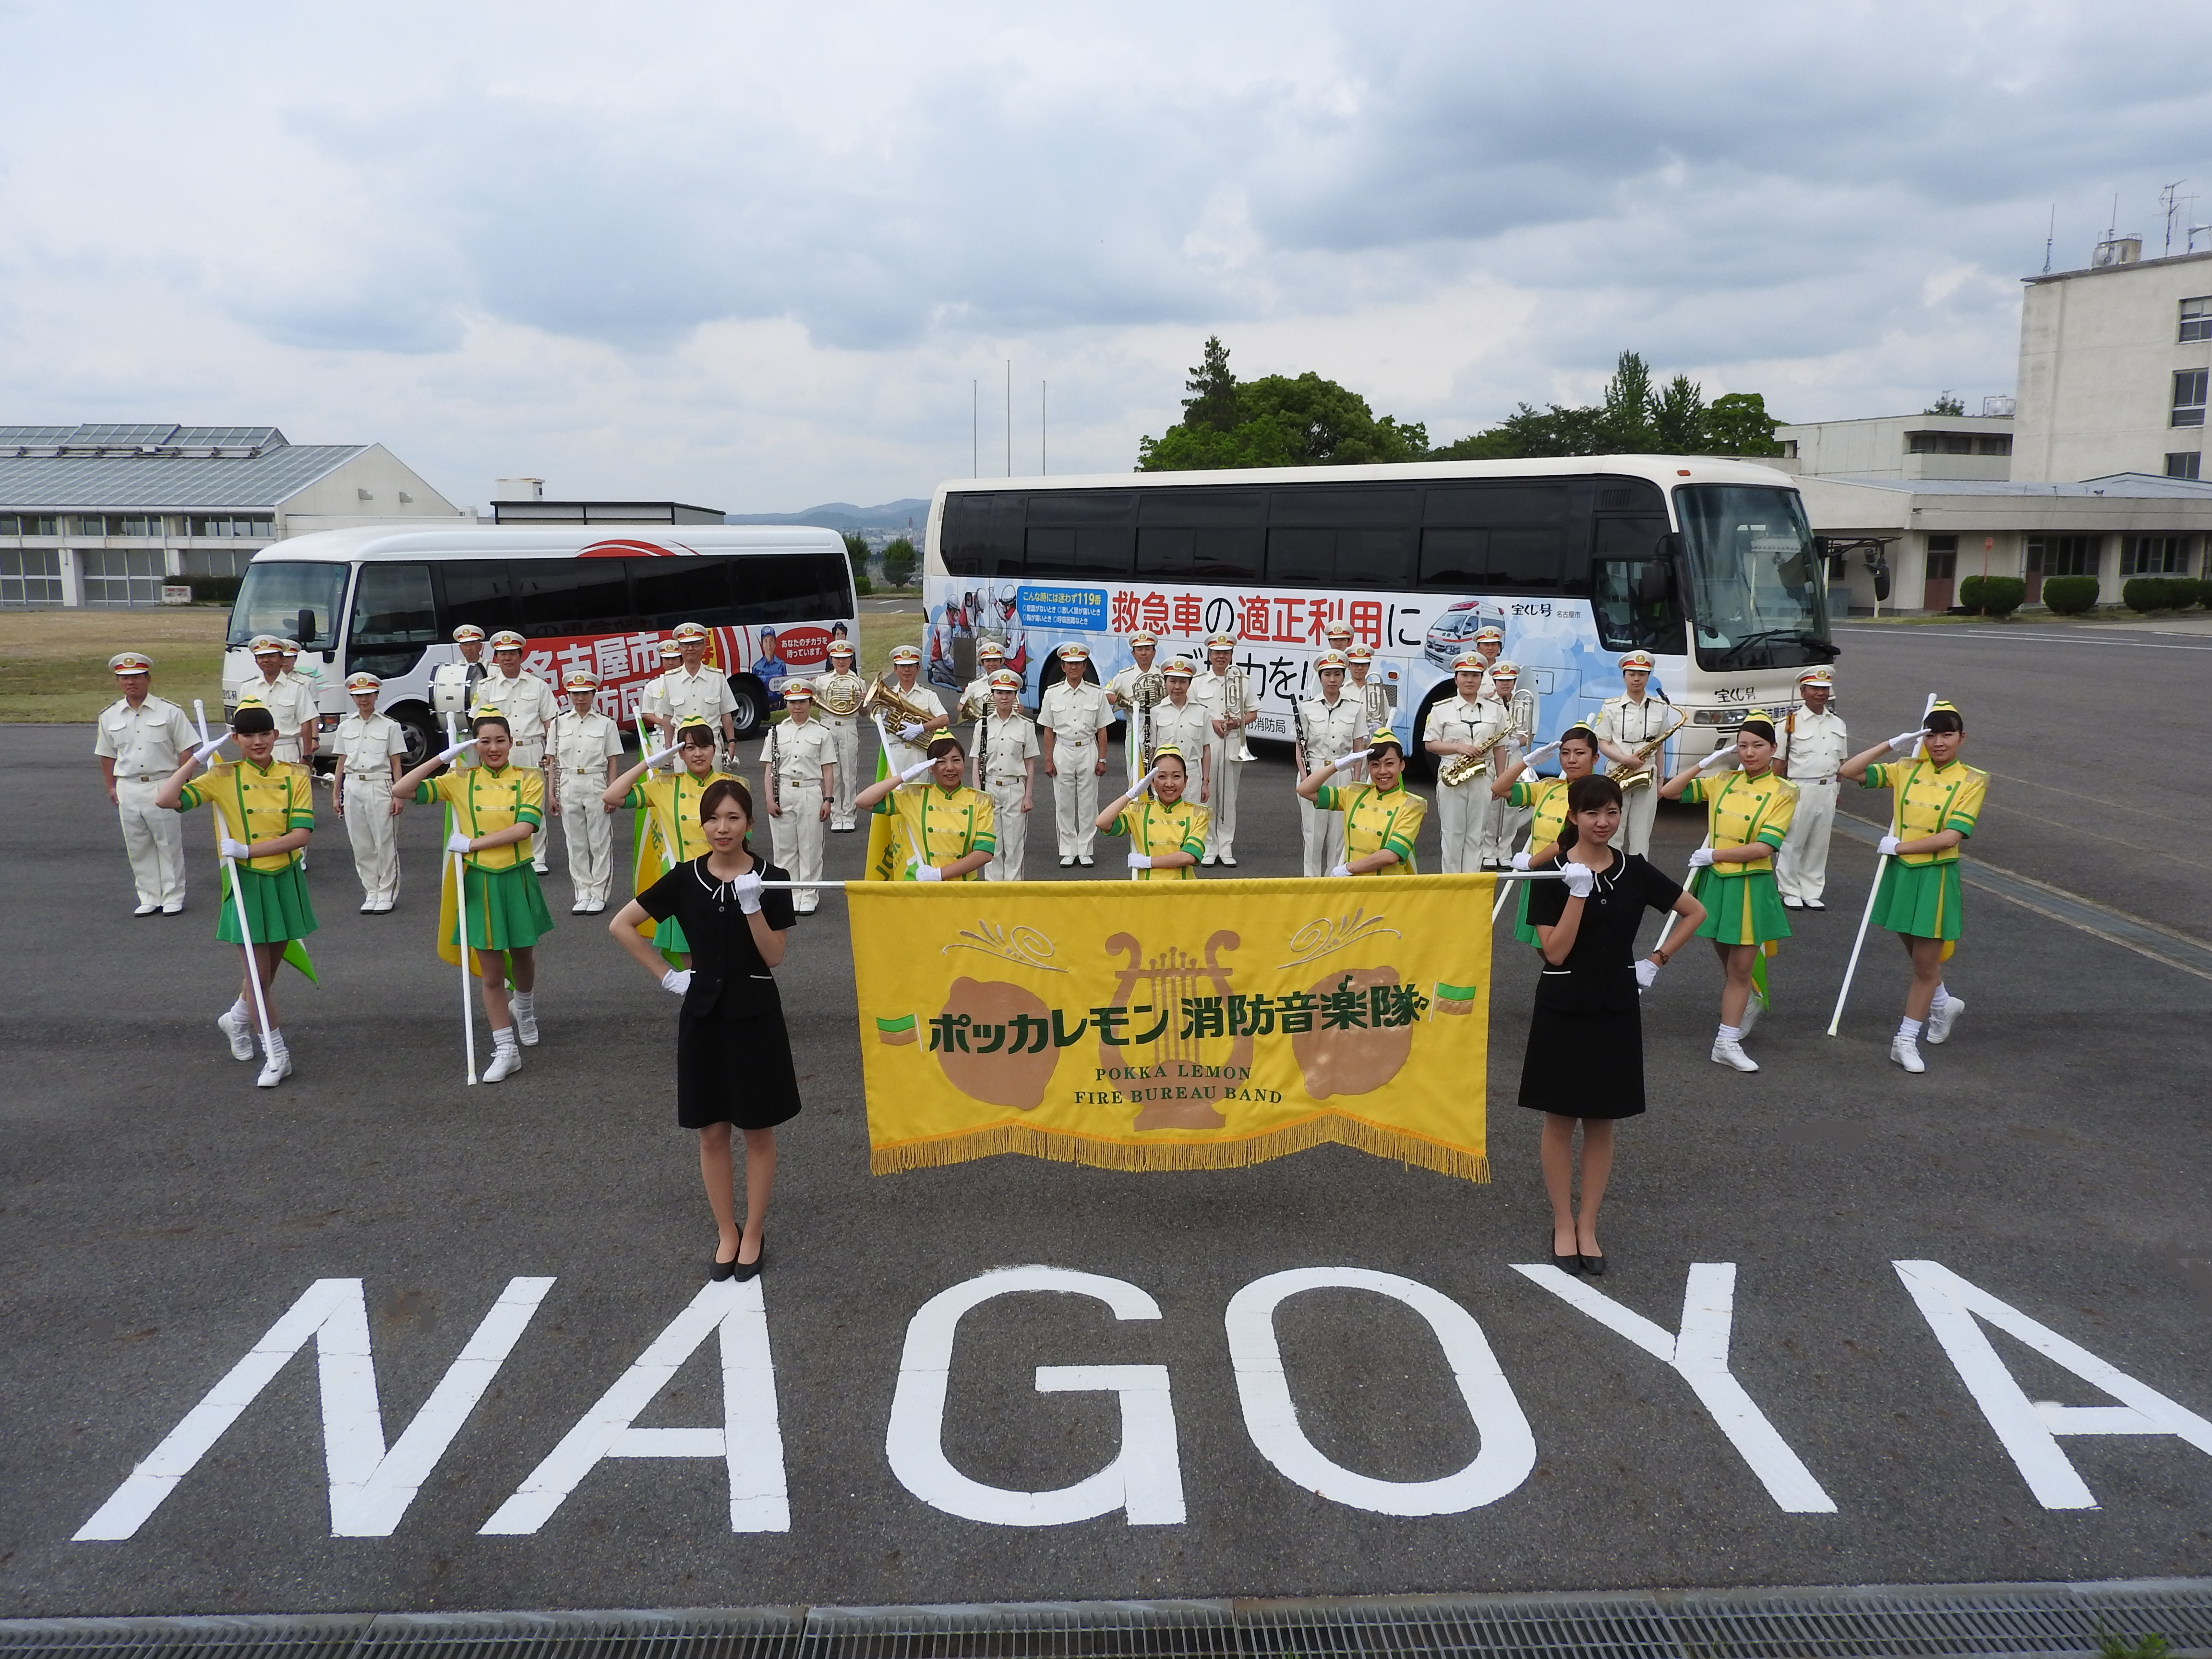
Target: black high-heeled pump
<point>1593,1265</point>
<point>742,1271</point>
<point>1566,1264</point>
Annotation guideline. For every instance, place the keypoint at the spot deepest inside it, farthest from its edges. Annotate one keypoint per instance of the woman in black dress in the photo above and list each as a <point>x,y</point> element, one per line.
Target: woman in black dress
<point>1585,1056</point>
<point>732,1054</point>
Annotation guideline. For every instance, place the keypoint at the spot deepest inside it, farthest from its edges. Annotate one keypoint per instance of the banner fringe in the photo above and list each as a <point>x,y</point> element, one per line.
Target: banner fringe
<point>1152,1157</point>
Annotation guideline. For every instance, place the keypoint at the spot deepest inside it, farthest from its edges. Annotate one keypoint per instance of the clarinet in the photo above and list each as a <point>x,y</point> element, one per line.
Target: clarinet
<point>775,753</point>
<point>983,750</point>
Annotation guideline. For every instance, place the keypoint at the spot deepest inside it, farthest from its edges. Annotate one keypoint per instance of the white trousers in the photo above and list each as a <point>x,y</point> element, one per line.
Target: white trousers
<point>1075,799</point>
<point>1501,823</point>
<point>1221,811</point>
<point>1638,808</point>
<point>845,750</point>
<point>1801,870</point>
<point>1324,836</point>
<point>155,839</point>
<point>1463,813</point>
<point>796,834</point>
<point>1011,826</point>
<point>374,834</point>
<point>587,829</point>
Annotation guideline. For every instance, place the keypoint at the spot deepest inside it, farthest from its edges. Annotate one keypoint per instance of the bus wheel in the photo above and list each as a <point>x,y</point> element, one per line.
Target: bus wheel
<point>751,711</point>
<point>420,729</point>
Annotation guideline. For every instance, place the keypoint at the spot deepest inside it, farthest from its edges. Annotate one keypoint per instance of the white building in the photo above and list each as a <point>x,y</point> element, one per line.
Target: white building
<point>1902,446</point>
<point>108,515</point>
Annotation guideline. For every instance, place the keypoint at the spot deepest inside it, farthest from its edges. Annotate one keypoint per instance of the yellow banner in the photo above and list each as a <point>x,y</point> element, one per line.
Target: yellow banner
<point>1175,1025</point>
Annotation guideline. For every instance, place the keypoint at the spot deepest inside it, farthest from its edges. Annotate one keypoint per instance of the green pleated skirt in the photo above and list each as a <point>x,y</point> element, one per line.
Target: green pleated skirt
<point>507,911</point>
<point>1740,910</point>
<point>276,905</point>
<point>1923,900</point>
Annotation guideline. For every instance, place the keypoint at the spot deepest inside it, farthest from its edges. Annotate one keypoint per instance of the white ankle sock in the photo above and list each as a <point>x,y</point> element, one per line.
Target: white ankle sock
<point>1909,1030</point>
<point>503,1037</point>
<point>1941,997</point>
<point>1730,1034</point>
<point>274,1042</point>
<point>525,1002</point>
<point>243,1010</point>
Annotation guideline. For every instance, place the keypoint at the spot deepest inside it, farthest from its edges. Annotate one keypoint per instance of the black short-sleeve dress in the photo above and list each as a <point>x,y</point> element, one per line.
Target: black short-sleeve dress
<point>1585,1054</point>
<point>732,1053</point>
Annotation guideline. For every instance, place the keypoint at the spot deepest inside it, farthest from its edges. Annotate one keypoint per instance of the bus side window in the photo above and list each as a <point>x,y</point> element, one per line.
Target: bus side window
<point>666,591</point>
<point>558,596</point>
<point>395,616</point>
<point>474,590</point>
<point>1512,536</point>
<point>789,587</point>
<point>1628,618</point>
<point>981,534</point>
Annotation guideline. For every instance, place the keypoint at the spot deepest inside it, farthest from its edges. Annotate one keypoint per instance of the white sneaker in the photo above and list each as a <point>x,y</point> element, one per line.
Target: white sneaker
<point>240,1032</point>
<point>275,1069</point>
<point>1941,1020</point>
<point>1732,1054</point>
<point>505,1063</point>
<point>1791,901</point>
<point>1753,1007</point>
<point>580,908</point>
<point>146,909</point>
<point>525,1026</point>
<point>1907,1053</point>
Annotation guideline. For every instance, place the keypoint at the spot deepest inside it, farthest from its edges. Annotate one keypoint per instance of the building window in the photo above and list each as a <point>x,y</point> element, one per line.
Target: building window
<point>140,527</point>
<point>264,528</point>
<point>2063,555</point>
<point>2183,464</point>
<point>31,576</point>
<point>2155,555</point>
<point>11,525</point>
<point>2197,318</point>
<point>216,561</point>
<point>2189,397</point>
<point>119,576</point>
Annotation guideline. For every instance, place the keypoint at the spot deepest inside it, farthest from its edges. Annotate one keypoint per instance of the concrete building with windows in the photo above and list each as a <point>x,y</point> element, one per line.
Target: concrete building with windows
<point>1969,447</point>
<point>109,515</point>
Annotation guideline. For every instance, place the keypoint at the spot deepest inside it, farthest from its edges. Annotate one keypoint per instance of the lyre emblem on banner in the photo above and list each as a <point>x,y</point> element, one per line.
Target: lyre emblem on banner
<point>1192,1063</point>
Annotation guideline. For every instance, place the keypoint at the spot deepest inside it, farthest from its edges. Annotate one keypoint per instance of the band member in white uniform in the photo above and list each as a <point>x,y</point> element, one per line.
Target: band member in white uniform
<point>1489,644</point>
<point>1330,730</point>
<point>651,701</point>
<point>286,697</point>
<point>1506,821</point>
<point>842,685</point>
<point>583,754</point>
<point>1007,751</point>
<point>1336,636</point>
<point>371,752</point>
<point>976,696</point>
<point>1814,744</point>
<point>1623,724</point>
<point>140,740</point>
<point>1468,724</point>
<point>1372,695</point>
<point>1073,721</point>
<point>1186,723</point>
<point>529,706</point>
<point>1224,689</point>
<point>692,688</point>
<point>469,640</point>
<point>797,762</point>
<point>1121,697</point>
<point>910,740</point>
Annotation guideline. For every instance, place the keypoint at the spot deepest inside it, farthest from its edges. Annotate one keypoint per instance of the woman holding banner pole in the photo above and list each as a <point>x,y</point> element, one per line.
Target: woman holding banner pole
<point>733,1063</point>
<point>1167,834</point>
<point>948,832</point>
<point>1382,818</point>
<point>1585,1057</point>
<point>267,811</point>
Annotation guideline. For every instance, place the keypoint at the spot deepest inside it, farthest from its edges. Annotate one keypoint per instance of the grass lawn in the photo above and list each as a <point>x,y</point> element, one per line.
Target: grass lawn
<point>53,663</point>
<point>880,630</point>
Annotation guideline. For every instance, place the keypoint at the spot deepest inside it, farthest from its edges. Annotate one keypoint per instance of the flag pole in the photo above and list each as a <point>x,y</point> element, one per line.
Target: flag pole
<point>237,897</point>
<point>1874,891</point>
<point>461,929</point>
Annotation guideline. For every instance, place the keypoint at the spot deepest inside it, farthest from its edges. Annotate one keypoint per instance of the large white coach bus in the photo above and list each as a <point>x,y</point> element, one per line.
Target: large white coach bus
<point>584,596</point>
<point>1709,565</point>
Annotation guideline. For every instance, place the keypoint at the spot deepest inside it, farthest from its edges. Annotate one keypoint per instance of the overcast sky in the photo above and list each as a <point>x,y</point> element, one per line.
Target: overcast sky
<point>757,259</point>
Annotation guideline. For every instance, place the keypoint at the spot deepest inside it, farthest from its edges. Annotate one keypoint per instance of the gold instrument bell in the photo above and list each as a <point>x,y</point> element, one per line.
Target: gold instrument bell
<point>840,700</point>
<point>1640,775</point>
<point>884,698</point>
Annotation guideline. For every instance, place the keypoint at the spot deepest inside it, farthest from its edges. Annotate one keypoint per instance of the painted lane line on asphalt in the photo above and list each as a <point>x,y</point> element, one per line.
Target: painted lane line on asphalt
<point>2037,639</point>
<point>370,1487</point>
<point>2145,939</point>
<point>1699,1355</point>
<point>1508,1448</point>
<point>2027,1430</point>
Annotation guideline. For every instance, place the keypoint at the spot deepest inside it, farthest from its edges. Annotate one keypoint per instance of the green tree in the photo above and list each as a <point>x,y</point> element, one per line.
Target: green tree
<point>1624,413</point>
<point>856,555</point>
<point>899,560</point>
<point>1678,418</point>
<point>1947,403</point>
<point>1212,405</point>
<point>1276,420</point>
<point>1739,424</point>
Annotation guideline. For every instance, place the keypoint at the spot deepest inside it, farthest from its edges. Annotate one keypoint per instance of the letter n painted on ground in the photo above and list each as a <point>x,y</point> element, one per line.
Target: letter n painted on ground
<point>750,1438</point>
<point>2029,1430</point>
<point>370,1487</point>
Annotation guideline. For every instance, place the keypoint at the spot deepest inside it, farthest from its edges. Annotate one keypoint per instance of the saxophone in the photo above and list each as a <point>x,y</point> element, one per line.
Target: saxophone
<point>1639,775</point>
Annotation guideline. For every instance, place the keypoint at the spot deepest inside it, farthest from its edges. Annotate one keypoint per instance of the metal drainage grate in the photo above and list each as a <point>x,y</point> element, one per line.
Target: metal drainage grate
<point>1866,1623</point>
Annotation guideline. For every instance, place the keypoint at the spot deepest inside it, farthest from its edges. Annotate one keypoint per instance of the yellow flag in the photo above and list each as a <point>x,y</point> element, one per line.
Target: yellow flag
<point>1175,1025</point>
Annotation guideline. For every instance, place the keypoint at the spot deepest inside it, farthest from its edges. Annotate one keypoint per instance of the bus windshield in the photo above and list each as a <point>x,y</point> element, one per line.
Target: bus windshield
<point>1755,578</point>
<point>295,601</point>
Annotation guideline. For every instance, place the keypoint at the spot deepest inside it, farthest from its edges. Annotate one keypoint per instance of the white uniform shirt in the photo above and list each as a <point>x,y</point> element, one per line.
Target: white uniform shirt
<point>290,702</point>
<point>1003,746</point>
<point>1815,745</point>
<point>365,743</point>
<point>1457,721</point>
<point>679,695</point>
<point>1190,728</point>
<point>1213,690</point>
<point>1074,715</point>
<point>1632,725</point>
<point>801,752</point>
<point>1332,730</point>
<point>527,701</point>
<point>148,741</point>
<point>581,744</point>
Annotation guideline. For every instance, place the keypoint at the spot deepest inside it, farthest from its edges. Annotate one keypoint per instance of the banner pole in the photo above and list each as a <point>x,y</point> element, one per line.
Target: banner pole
<point>1498,875</point>
<point>461,930</point>
<point>1874,891</point>
<point>237,897</point>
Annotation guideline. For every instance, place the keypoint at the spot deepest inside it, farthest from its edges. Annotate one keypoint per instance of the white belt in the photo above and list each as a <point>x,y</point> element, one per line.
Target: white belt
<point>1830,778</point>
<point>799,783</point>
<point>581,771</point>
<point>350,773</point>
<point>139,777</point>
<point>1012,779</point>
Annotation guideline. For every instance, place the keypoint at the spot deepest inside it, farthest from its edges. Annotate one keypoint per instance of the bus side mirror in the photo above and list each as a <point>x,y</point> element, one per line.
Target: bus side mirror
<point>1652,582</point>
<point>303,626</point>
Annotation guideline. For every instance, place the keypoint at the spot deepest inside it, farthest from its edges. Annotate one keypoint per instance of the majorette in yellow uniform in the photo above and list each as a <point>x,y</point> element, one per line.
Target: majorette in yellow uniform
<point>1154,827</point>
<point>506,909</point>
<point>934,825</point>
<point>259,803</point>
<point>1742,904</point>
<point>1547,799</point>
<point>668,833</point>
<point>1375,819</point>
<point>1920,893</point>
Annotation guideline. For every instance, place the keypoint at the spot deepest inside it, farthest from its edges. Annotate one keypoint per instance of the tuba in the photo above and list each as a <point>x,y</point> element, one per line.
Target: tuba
<point>1639,775</point>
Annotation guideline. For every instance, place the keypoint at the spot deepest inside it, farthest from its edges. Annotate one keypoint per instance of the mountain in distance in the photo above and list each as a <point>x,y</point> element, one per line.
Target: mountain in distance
<point>844,516</point>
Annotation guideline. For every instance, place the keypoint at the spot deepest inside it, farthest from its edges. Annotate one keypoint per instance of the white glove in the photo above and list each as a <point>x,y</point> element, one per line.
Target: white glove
<point>1579,878</point>
<point>458,842</point>
<point>1340,869</point>
<point>1349,761</point>
<point>235,849</point>
<point>1520,860</point>
<point>746,890</point>
<point>1140,861</point>
<point>206,751</point>
<point>1887,846</point>
<point>917,770</point>
<point>1143,783</point>
<point>454,751</point>
<point>1701,858</point>
<point>912,731</point>
<point>1904,740</point>
<point>929,872</point>
<point>1544,753</point>
<point>678,979</point>
<point>1646,971</point>
<point>661,756</point>
<point>1726,754</point>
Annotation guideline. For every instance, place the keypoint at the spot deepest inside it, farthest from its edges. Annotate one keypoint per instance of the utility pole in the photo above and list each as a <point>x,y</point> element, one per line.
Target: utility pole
<point>1009,417</point>
<point>974,428</point>
<point>1044,427</point>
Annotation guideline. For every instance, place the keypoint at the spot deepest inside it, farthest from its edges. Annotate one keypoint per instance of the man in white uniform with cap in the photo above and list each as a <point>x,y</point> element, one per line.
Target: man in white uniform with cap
<point>1466,724</point>
<point>1331,730</point>
<point>1007,751</point>
<point>1814,744</point>
<point>693,689</point>
<point>1623,724</point>
<point>1186,723</point>
<point>843,730</point>
<point>529,705</point>
<point>583,756</point>
<point>1073,721</point>
<point>1121,694</point>
<point>1516,712</point>
<point>910,739</point>
<point>141,738</point>
<point>371,752</point>
<point>976,696</point>
<point>287,697</point>
<point>1222,687</point>
<point>796,766</point>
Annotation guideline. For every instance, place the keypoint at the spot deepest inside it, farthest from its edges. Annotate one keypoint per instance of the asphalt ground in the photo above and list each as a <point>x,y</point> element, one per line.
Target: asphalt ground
<point>160,1214</point>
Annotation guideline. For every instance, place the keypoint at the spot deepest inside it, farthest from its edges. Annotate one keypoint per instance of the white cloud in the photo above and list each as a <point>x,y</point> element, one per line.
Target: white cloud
<point>756,258</point>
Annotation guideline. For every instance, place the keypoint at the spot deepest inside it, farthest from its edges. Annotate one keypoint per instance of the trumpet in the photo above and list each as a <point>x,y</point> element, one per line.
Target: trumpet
<point>1639,776</point>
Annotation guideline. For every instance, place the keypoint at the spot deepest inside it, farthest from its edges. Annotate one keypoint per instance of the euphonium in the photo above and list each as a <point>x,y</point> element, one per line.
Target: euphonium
<point>884,698</point>
<point>1639,775</point>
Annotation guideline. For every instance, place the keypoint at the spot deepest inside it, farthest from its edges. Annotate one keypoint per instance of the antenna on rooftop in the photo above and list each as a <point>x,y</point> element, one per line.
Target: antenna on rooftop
<point>2050,236</point>
<point>2171,202</point>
